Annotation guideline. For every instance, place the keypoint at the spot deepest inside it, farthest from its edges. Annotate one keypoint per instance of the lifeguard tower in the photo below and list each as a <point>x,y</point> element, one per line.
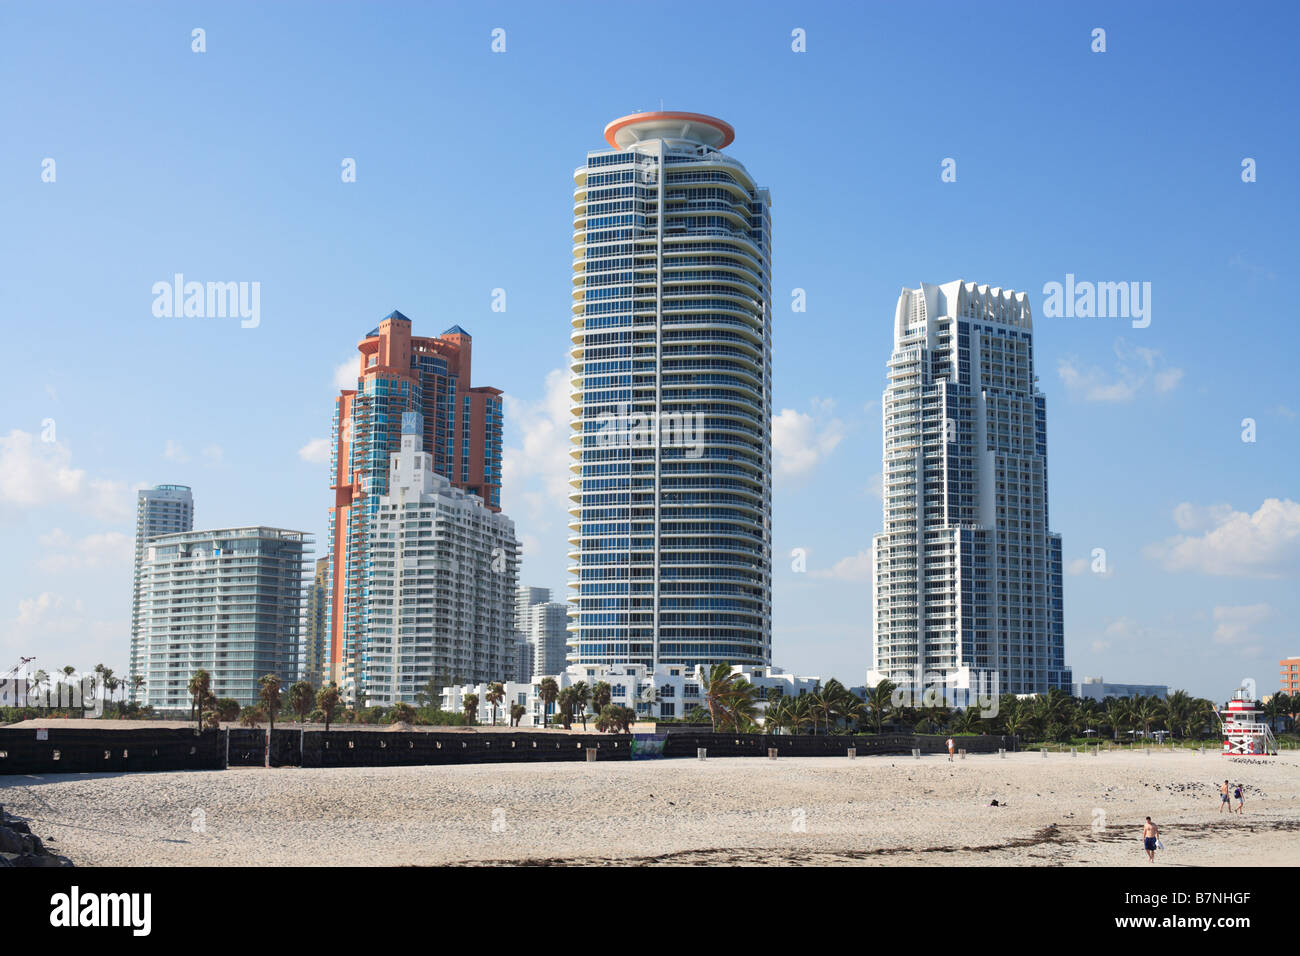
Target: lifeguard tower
<point>1245,734</point>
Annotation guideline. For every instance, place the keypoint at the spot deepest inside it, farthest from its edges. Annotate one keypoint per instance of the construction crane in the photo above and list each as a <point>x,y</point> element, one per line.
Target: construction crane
<point>6,677</point>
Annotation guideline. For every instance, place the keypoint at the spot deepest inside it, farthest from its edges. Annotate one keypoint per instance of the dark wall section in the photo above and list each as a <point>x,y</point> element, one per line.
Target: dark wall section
<point>89,751</point>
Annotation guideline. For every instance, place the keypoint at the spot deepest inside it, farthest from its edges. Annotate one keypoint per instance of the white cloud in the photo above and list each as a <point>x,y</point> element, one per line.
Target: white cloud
<point>537,471</point>
<point>213,454</point>
<point>1236,626</point>
<point>60,631</point>
<point>35,473</point>
<point>174,451</point>
<point>316,451</point>
<point>1135,369</point>
<point>856,567</point>
<point>110,549</point>
<point>1286,412</point>
<point>876,486</point>
<point>1265,544</point>
<point>801,442</point>
<point>345,373</point>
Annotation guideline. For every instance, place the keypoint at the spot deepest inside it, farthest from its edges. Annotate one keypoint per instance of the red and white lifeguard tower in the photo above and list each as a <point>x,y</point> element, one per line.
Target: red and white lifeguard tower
<point>1244,733</point>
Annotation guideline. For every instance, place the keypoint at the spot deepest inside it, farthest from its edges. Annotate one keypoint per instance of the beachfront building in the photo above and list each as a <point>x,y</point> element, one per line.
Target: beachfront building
<point>228,601</point>
<point>671,351</point>
<point>544,625</point>
<point>162,509</point>
<point>967,570</point>
<point>1290,676</point>
<point>443,567</point>
<point>666,692</point>
<point>1098,688</point>
<point>524,661</point>
<point>399,372</point>
<point>316,626</point>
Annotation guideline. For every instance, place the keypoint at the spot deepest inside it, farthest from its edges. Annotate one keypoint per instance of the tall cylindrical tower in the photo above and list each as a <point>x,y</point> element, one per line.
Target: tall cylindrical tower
<point>670,495</point>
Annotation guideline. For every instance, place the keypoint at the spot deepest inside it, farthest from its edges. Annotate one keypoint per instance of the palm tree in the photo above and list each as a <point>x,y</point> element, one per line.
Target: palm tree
<point>852,710</point>
<point>301,698</point>
<point>715,685</point>
<point>1016,722</point>
<point>581,698</point>
<point>517,712</point>
<point>800,713</point>
<point>969,721</point>
<point>496,693</point>
<point>200,689</point>
<point>327,702</point>
<point>567,704</point>
<point>776,716</point>
<point>270,697</point>
<point>548,691</point>
<point>742,707</point>
<point>137,684</point>
<point>600,696</point>
<point>249,716</point>
<point>879,702</point>
<point>470,703</point>
<point>1147,712</point>
<point>110,685</point>
<point>1178,712</point>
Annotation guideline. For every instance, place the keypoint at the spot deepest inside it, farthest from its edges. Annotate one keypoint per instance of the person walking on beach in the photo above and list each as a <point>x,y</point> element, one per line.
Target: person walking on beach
<point>1226,800</point>
<point>1241,799</point>
<point>1150,836</point>
<point>950,746</point>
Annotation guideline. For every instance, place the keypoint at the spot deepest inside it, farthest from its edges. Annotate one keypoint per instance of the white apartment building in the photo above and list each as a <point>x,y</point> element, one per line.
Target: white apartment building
<point>1098,688</point>
<point>442,582</point>
<point>228,601</point>
<point>967,570</point>
<point>669,691</point>
<point>162,509</point>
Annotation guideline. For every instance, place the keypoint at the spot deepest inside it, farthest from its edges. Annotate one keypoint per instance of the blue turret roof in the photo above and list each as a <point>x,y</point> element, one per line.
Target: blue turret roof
<point>457,330</point>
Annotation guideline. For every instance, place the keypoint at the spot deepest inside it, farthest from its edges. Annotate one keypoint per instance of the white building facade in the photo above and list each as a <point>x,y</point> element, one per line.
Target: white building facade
<point>1097,688</point>
<point>162,509</point>
<point>666,692</point>
<point>967,570</point>
<point>443,570</point>
<point>228,601</point>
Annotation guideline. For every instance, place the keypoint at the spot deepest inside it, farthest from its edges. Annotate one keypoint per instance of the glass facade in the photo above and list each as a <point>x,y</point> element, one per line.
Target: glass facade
<point>670,487</point>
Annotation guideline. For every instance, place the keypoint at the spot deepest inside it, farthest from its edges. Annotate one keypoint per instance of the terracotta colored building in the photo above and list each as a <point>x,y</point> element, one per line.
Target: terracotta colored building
<point>1290,682</point>
<point>398,372</point>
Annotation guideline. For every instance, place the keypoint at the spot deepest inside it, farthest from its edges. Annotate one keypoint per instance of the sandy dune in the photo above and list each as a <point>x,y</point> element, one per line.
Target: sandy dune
<point>1062,810</point>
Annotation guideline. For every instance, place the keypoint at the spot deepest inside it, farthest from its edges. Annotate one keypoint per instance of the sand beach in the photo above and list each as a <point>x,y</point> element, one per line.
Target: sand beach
<point>1059,810</point>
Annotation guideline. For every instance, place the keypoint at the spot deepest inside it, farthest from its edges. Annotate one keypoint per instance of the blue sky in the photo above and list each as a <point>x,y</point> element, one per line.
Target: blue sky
<point>225,166</point>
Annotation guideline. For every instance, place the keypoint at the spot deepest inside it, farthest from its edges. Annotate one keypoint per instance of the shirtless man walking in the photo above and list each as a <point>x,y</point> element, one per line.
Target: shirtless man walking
<point>1226,798</point>
<point>1150,834</point>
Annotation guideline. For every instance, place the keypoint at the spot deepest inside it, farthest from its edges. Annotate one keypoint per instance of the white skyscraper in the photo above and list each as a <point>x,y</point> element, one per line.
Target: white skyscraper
<point>443,572</point>
<point>671,479</point>
<point>967,572</point>
<point>543,625</point>
<point>163,509</point>
<point>228,601</point>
